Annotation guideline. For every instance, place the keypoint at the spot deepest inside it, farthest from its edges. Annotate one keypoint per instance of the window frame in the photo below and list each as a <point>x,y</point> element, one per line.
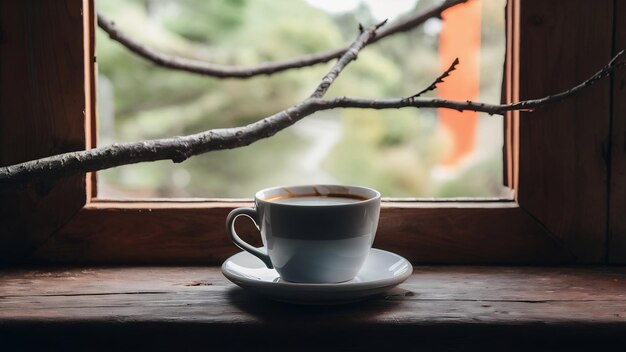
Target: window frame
<point>532,228</point>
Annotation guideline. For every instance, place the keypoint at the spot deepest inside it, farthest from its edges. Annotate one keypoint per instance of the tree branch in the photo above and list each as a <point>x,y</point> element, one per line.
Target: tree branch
<point>179,149</point>
<point>491,109</point>
<point>350,55</point>
<point>223,71</point>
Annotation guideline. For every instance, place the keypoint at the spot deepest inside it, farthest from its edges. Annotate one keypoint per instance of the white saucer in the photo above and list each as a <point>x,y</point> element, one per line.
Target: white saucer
<point>382,271</point>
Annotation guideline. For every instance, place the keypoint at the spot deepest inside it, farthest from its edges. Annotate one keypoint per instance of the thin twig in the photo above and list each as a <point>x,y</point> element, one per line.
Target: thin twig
<point>223,71</point>
<point>439,79</point>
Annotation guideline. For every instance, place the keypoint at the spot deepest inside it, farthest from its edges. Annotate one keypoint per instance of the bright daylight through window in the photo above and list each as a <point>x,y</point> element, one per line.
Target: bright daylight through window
<point>403,153</point>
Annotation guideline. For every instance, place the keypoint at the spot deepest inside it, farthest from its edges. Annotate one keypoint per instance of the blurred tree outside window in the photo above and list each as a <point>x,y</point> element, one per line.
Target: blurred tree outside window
<point>402,153</point>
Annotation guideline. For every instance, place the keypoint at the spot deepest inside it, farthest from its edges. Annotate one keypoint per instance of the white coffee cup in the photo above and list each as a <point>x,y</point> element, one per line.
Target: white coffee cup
<point>312,233</point>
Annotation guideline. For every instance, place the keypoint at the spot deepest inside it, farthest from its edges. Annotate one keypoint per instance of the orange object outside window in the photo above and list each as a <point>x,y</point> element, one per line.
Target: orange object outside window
<point>460,37</point>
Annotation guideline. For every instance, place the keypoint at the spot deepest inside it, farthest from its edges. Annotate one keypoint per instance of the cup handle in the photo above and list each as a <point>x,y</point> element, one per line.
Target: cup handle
<point>230,227</point>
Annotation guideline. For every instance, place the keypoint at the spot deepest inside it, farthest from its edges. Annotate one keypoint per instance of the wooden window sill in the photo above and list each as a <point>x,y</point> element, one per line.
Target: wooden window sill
<point>181,307</point>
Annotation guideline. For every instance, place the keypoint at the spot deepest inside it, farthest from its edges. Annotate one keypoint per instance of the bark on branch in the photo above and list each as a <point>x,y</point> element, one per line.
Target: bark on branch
<point>180,148</point>
<point>223,71</point>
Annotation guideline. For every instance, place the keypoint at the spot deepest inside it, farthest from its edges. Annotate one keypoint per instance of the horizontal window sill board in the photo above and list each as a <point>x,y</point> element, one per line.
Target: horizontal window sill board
<point>157,307</point>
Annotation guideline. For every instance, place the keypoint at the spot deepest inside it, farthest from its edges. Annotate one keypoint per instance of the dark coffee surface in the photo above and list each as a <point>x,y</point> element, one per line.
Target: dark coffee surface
<point>316,199</point>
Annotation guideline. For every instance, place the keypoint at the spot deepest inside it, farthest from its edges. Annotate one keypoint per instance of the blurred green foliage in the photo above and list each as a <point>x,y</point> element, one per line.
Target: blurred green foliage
<point>393,151</point>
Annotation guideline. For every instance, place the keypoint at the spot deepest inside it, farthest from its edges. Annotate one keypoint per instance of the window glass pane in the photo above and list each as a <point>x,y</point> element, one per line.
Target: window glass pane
<point>402,153</point>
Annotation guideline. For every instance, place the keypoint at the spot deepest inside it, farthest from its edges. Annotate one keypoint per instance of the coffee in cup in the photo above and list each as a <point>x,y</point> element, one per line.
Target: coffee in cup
<point>313,233</point>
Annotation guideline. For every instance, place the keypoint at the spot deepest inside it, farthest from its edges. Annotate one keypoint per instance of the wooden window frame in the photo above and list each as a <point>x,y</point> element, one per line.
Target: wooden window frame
<point>562,165</point>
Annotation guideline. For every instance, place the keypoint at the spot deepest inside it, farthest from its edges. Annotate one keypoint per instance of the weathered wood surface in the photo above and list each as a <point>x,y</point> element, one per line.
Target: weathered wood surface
<point>506,308</point>
<point>179,232</point>
<point>617,181</point>
<point>562,148</point>
<point>42,112</point>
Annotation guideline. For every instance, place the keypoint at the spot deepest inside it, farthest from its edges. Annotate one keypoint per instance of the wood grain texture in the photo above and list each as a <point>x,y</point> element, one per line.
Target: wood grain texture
<point>510,94</point>
<point>617,184</point>
<point>91,73</point>
<point>467,308</point>
<point>171,232</point>
<point>562,148</point>
<point>42,107</point>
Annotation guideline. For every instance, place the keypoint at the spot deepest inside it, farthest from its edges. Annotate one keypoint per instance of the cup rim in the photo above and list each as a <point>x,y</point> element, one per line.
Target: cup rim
<point>376,195</point>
